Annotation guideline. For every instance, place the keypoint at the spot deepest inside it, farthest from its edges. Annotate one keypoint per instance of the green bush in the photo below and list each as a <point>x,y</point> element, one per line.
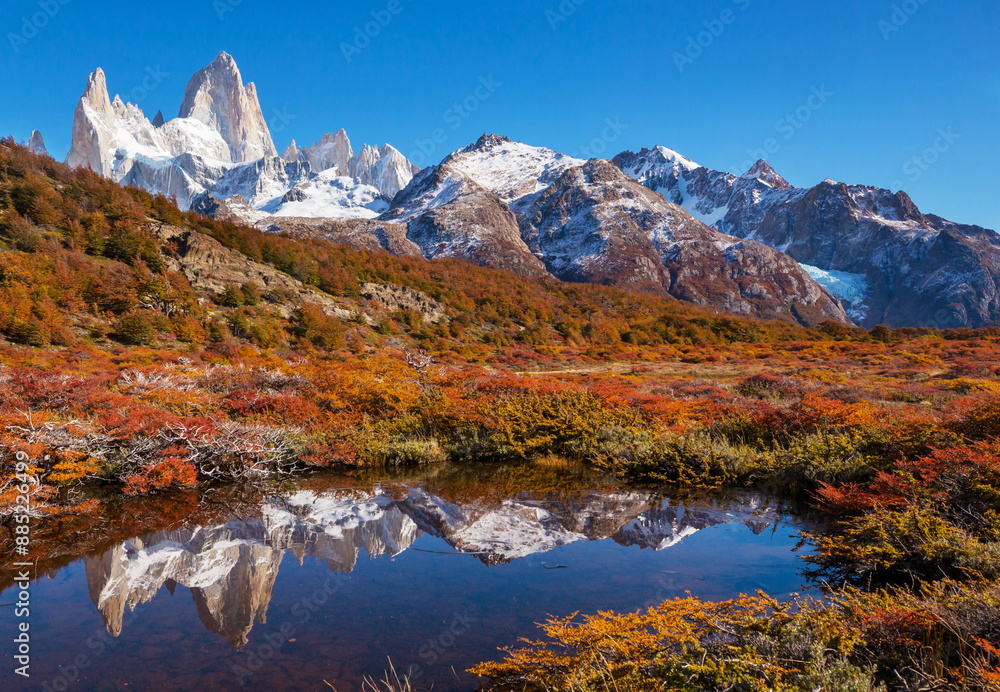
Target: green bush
<point>135,328</point>
<point>915,542</point>
<point>232,297</point>
<point>405,452</point>
<point>474,444</point>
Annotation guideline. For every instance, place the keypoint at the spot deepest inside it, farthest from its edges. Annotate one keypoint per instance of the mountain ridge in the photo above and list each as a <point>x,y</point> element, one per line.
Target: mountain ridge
<point>220,145</point>
<point>830,252</point>
<point>894,264</point>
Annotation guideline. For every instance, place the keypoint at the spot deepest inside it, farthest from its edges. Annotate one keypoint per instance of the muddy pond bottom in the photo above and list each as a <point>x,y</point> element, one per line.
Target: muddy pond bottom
<point>318,582</point>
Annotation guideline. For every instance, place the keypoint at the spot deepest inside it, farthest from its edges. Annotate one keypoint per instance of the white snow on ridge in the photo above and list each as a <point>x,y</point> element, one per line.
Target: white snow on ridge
<point>515,531</point>
<point>677,159</point>
<point>513,170</point>
<point>330,195</point>
<point>454,184</point>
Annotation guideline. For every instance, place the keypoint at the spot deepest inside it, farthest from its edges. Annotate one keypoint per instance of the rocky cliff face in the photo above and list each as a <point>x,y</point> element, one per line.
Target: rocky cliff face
<point>37,144</point>
<point>93,127</point>
<point>447,214</point>
<point>211,268</point>
<point>383,168</point>
<point>332,151</point>
<point>886,261</point>
<point>361,234</point>
<point>217,97</point>
<point>595,224</point>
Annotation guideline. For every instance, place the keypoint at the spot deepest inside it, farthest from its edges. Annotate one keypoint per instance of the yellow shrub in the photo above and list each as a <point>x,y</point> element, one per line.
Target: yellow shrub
<point>537,424</point>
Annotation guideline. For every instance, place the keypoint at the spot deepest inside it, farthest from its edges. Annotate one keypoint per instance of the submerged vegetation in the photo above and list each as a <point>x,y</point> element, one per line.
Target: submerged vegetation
<point>117,369</point>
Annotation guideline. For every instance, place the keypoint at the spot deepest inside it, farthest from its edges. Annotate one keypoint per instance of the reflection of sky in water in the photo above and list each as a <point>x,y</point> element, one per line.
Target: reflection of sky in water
<point>353,577</point>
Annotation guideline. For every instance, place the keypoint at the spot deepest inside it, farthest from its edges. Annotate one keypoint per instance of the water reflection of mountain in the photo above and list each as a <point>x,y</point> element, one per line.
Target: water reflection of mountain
<point>231,568</point>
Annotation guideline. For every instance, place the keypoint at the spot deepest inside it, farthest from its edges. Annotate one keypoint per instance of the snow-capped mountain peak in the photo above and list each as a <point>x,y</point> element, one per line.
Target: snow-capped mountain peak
<point>873,249</point>
<point>512,170</point>
<point>217,97</point>
<point>291,153</point>
<point>486,142</point>
<point>95,94</point>
<point>332,151</point>
<point>220,145</point>
<point>680,161</point>
<point>763,172</point>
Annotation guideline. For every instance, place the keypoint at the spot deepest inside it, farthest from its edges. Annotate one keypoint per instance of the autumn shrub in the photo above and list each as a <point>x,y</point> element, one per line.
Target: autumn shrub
<point>172,469</point>
<point>475,443</point>
<point>251,294</point>
<point>217,331</point>
<point>940,635</point>
<point>648,456</point>
<point>265,332</point>
<point>816,458</point>
<point>135,328</point>
<point>22,234</point>
<point>70,467</point>
<point>402,440</point>
<point>405,452</point>
<point>633,452</point>
<point>763,386</point>
<point>555,423</point>
<point>380,388</point>
<point>761,426</point>
<point>960,483</point>
<point>915,542</point>
<point>749,643</point>
<point>983,422</point>
<point>319,329</point>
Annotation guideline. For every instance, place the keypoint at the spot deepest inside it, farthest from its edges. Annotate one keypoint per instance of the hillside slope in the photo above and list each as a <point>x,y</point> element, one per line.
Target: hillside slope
<point>83,259</point>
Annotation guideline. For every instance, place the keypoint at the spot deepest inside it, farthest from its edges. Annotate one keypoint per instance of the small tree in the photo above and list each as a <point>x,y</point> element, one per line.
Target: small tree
<point>232,297</point>
<point>251,294</point>
<point>217,331</point>
<point>320,329</point>
<point>134,328</point>
<point>881,333</point>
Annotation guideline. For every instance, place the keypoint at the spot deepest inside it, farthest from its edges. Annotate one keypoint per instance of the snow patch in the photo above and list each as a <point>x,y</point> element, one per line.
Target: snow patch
<point>330,195</point>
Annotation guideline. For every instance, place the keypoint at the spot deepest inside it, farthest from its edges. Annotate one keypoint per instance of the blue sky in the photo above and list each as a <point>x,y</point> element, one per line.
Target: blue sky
<point>894,93</point>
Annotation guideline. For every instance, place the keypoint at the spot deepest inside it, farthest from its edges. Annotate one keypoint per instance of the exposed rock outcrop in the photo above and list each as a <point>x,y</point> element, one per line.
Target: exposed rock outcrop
<point>393,298</point>
<point>211,267</point>
<point>361,234</point>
